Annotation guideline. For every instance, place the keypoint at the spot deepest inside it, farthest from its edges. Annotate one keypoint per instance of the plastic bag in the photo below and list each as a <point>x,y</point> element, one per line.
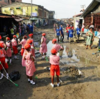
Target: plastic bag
<point>14,76</point>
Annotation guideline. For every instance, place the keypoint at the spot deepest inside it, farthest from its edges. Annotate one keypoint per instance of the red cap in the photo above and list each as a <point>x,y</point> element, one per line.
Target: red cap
<point>25,36</point>
<point>29,41</point>
<point>7,38</point>
<point>54,40</point>
<point>1,45</point>
<point>43,34</point>
<point>27,46</point>
<point>30,35</point>
<point>53,51</point>
<point>0,37</point>
<point>14,36</point>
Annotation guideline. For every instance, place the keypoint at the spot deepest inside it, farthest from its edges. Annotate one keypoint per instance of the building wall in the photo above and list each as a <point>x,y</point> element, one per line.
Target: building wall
<point>76,21</point>
<point>5,2</point>
<point>24,9</point>
<point>93,18</point>
<point>42,13</point>
<point>20,10</point>
<point>51,14</point>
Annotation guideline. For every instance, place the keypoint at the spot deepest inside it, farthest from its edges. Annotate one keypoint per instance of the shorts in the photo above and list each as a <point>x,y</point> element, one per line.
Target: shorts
<point>5,65</point>
<point>53,69</point>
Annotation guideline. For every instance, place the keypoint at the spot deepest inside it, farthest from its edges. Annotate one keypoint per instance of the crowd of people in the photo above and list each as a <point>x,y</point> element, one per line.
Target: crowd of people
<point>18,28</point>
<point>71,33</point>
<point>28,56</point>
<point>59,33</point>
<point>28,50</point>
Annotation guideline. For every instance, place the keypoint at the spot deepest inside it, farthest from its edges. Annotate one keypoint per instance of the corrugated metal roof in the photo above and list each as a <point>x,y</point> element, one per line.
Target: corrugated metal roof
<point>92,5</point>
<point>77,15</point>
<point>5,16</point>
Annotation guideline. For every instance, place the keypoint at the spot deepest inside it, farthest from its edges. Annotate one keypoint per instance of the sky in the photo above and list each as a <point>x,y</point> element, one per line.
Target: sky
<point>62,8</point>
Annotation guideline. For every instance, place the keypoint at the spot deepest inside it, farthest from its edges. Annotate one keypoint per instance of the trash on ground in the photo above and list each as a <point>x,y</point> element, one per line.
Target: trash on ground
<point>74,72</point>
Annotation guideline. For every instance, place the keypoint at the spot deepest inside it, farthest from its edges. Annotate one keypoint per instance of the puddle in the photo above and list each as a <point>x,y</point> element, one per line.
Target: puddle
<point>68,56</point>
<point>71,54</point>
<point>49,47</point>
<point>64,55</point>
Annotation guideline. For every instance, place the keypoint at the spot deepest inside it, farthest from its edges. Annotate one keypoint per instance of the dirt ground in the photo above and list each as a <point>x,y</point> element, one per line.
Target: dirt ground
<point>84,87</point>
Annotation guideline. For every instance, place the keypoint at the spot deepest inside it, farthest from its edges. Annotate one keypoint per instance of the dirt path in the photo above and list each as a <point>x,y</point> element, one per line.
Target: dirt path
<point>86,87</point>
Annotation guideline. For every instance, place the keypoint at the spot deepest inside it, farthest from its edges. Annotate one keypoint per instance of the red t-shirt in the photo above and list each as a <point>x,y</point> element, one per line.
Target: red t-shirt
<point>67,29</point>
<point>73,28</point>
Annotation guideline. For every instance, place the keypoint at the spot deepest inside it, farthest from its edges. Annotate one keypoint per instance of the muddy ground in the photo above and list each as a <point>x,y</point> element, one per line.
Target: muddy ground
<point>85,87</point>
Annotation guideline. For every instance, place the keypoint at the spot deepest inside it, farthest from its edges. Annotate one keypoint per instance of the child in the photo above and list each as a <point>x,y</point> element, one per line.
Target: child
<point>2,41</point>
<point>23,42</point>
<point>29,62</point>
<point>54,61</point>
<point>56,46</point>
<point>31,37</point>
<point>32,45</point>
<point>8,51</point>
<point>70,34</point>
<point>14,46</point>
<point>29,41</point>
<point>43,46</point>
<point>3,61</point>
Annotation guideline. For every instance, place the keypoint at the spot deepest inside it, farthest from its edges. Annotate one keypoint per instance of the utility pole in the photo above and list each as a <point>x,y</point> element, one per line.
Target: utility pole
<point>8,1</point>
<point>31,8</point>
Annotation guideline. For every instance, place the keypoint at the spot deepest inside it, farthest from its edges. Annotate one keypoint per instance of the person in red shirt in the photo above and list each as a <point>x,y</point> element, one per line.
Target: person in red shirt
<point>54,62</point>
<point>8,50</point>
<point>33,47</point>
<point>56,46</point>
<point>23,42</point>
<point>83,28</point>
<point>67,31</point>
<point>3,62</point>
<point>72,27</point>
<point>29,63</point>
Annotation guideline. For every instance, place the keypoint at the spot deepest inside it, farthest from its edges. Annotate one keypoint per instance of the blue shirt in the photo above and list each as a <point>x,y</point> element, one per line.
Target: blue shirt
<point>61,29</point>
<point>28,25</point>
<point>71,33</point>
<point>78,30</point>
<point>58,32</point>
<point>31,28</point>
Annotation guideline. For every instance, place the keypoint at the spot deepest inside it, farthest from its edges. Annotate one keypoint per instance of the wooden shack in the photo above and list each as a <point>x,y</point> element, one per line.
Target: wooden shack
<point>92,14</point>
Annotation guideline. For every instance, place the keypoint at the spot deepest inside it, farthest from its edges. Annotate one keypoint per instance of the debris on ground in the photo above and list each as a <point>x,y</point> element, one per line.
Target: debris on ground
<point>73,71</point>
